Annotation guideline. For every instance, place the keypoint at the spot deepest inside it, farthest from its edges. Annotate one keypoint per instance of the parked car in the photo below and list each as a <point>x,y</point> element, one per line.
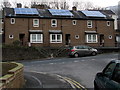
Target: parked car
<point>109,78</point>
<point>81,50</point>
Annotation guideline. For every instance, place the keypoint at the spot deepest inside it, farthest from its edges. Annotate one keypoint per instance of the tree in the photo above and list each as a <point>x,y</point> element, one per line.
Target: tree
<point>6,4</point>
<point>83,5</point>
<point>53,4</point>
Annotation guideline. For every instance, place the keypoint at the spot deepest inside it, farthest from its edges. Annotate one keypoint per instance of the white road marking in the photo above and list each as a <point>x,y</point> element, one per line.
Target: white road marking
<point>113,59</point>
<point>37,80</point>
<point>51,63</point>
<point>83,60</point>
<point>76,61</point>
<point>92,59</point>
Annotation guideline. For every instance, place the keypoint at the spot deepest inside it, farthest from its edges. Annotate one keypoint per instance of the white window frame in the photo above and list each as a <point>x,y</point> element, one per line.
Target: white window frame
<point>91,38</point>
<point>74,22</point>
<point>11,36</point>
<point>110,36</point>
<point>89,21</point>
<point>12,19</point>
<point>108,23</point>
<point>77,36</point>
<point>2,21</point>
<point>34,24</point>
<point>36,40</point>
<point>55,41</point>
<point>54,24</point>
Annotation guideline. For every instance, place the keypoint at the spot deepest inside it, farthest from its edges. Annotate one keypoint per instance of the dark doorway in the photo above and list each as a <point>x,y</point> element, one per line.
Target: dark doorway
<point>102,40</point>
<point>67,39</point>
<point>21,38</point>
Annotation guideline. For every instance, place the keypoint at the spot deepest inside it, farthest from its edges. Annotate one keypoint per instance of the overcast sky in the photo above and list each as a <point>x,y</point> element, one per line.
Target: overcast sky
<point>101,3</point>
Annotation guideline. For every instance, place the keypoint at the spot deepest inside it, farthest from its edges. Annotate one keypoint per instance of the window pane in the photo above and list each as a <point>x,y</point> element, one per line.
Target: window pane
<point>109,70</point>
<point>94,38</point>
<point>89,38</point>
<point>33,37</point>
<point>35,22</point>
<point>53,37</point>
<point>38,37</point>
<point>116,75</point>
<point>53,22</point>
<point>58,37</point>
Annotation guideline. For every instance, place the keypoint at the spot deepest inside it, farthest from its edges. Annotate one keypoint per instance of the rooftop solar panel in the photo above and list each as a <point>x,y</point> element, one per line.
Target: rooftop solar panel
<point>57,12</point>
<point>93,14</point>
<point>27,11</point>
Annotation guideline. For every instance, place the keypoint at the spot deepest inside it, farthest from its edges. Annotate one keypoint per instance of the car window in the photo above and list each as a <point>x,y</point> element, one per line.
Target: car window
<point>71,48</point>
<point>108,71</point>
<point>85,47</point>
<point>116,74</point>
<point>79,47</point>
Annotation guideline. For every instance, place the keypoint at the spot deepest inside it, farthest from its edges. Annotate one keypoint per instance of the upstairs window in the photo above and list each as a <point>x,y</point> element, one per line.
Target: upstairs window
<point>74,22</point>
<point>12,21</point>
<point>2,21</point>
<point>108,23</point>
<point>11,36</point>
<point>53,23</point>
<point>35,22</point>
<point>89,24</point>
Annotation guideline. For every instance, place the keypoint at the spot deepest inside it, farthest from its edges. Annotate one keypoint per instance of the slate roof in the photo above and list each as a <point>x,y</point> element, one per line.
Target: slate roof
<point>44,13</point>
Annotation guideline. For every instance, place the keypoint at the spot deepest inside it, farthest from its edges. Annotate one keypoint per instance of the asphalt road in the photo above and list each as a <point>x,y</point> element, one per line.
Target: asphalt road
<point>82,69</point>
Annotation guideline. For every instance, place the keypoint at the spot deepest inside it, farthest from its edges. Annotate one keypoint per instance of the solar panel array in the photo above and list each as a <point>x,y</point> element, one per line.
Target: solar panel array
<point>57,12</point>
<point>93,14</point>
<point>26,11</point>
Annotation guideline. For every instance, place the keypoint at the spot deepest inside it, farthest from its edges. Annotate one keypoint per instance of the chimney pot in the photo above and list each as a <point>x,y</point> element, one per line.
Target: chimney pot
<point>74,8</point>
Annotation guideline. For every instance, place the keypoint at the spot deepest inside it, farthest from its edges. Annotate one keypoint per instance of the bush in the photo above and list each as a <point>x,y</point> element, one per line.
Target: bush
<point>10,52</point>
<point>17,43</point>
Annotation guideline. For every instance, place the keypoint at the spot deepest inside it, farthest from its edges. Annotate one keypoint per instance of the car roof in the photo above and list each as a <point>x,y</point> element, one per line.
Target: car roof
<point>115,61</point>
<point>81,45</point>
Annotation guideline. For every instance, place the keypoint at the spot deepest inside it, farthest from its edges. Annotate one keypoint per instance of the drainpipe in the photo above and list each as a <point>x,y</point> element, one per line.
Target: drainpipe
<point>119,28</point>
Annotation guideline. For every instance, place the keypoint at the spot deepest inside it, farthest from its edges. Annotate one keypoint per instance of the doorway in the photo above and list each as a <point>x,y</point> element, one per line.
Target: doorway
<point>102,40</point>
<point>67,39</point>
<point>21,38</point>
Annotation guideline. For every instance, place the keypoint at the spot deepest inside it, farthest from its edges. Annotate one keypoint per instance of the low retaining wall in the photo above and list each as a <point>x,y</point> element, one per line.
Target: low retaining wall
<point>108,49</point>
<point>14,78</point>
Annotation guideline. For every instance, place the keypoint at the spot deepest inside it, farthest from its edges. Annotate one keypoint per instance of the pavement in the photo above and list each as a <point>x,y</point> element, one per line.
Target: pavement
<point>45,80</point>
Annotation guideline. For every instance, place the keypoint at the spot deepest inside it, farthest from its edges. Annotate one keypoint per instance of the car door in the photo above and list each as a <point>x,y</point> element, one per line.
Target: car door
<point>114,82</point>
<point>107,74</point>
<point>80,50</point>
<point>87,50</point>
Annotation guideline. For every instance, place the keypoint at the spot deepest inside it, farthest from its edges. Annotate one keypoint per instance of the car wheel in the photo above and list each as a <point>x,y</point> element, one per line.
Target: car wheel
<point>76,54</point>
<point>94,53</point>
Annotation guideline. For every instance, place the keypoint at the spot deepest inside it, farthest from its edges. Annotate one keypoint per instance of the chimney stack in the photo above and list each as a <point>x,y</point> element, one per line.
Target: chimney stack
<point>19,5</point>
<point>74,8</point>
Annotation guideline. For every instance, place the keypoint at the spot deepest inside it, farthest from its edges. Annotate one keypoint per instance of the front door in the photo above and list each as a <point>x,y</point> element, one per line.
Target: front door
<point>21,38</point>
<point>102,40</point>
<point>67,39</point>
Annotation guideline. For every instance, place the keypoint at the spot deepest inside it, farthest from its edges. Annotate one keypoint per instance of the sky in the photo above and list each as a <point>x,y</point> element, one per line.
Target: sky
<point>101,3</point>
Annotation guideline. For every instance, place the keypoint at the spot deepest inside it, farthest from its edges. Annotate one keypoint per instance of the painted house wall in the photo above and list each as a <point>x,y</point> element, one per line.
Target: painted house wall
<point>23,25</point>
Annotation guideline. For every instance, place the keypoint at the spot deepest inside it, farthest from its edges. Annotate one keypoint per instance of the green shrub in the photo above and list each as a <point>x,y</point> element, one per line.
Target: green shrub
<point>17,43</point>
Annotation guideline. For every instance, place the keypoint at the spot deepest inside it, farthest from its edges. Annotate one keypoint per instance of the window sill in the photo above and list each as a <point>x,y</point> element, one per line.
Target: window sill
<point>92,42</point>
<point>36,42</point>
<point>55,42</point>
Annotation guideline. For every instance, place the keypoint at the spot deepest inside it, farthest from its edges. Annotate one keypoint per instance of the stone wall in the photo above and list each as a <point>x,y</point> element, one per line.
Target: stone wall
<point>14,78</point>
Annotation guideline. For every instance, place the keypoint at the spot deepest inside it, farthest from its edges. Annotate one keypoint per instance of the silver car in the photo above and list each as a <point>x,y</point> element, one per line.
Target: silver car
<point>82,50</point>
